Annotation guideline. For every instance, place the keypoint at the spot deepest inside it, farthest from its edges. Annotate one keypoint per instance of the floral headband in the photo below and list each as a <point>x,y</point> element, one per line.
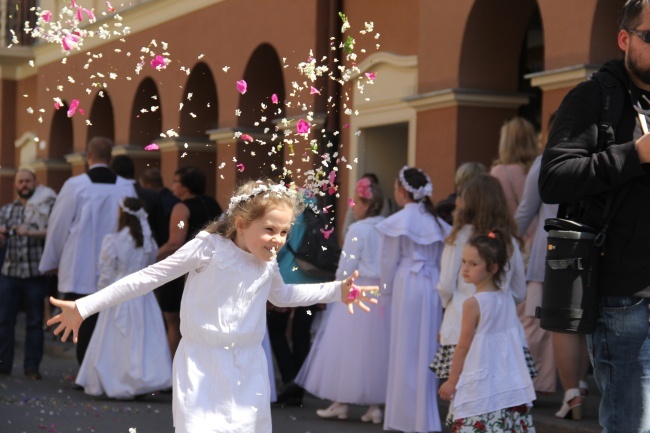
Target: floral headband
<point>418,193</point>
<point>363,188</point>
<point>141,215</point>
<point>261,187</point>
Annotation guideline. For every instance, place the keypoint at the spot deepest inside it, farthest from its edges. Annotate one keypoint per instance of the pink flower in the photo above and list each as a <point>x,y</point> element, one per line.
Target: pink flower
<point>314,90</point>
<point>152,146</point>
<point>69,42</point>
<point>246,137</point>
<point>158,62</point>
<point>363,188</point>
<point>371,75</point>
<point>274,98</point>
<point>353,293</point>
<point>73,107</point>
<point>240,167</point>
<point>327,233</point>
<point>303,127</point>
<point>242,86</point>
<point>46,16</point>
<point>350,202</point>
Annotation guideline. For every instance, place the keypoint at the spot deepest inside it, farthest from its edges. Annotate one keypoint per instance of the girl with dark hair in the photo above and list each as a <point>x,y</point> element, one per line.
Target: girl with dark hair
<point>412,243</point>
<point>489,385</point>
<point>133,329</point>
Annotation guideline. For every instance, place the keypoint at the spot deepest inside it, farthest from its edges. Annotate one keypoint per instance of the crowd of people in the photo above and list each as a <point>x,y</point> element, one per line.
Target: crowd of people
<point>449,291</point>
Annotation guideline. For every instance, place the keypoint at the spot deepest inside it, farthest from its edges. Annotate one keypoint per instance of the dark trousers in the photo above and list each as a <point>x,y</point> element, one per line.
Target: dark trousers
<point>85,330</point>
<point>290,357</point>
<point>31,292</point>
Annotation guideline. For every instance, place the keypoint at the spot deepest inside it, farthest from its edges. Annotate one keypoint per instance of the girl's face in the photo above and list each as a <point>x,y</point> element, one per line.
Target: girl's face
<point>360,209</point>
<point>266,235</point>
<point>474,269</point>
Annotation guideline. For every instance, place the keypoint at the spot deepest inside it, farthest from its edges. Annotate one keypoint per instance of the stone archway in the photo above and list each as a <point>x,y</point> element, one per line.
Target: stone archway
<point>146,117</point>
<point>61,134</point>
<point>200,111</point>
<point>102,122</point>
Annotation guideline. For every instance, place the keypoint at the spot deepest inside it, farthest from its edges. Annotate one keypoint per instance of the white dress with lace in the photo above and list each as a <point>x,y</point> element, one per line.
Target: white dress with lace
<point>128,354</point>
<point>220,373</point>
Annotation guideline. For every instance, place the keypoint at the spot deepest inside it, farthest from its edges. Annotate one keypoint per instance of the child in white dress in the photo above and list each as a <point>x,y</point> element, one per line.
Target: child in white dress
<point>412,243</point>
<point>220,372</point>
<point>481,208</point>
<point>348,362</point>
<point>489,384</point>
<point>134,329</point>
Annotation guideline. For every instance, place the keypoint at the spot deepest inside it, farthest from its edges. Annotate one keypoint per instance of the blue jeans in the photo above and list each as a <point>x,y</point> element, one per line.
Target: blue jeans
<point>12,291</point>
<point>620,353</point>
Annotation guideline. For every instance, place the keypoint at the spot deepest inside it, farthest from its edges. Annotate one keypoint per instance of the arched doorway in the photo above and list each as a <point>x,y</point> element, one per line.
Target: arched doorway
<point>200,110</point>
<point>61,135</point>
<point>146,118</point>
<point>102,122</point>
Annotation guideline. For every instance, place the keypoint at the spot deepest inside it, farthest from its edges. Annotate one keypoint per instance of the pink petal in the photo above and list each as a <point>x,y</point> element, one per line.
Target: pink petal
<point>350,202</point>
<point>331,190</point>
<point>332,177</point>
<point>314,90</point>
<point>57,105</point>
<point>302,127</point>
<point>353,293</point>
<point>327,233</point>
<point>274,98</point>
<point>46,16</point>
<point>240,167</point>
<point>82,111</point>
<point>246,137</point>
<point>110,7</point>
<point>371,75</point>
<point>152,146</point>
<point>79,14</point>
<point>73,4</point>
<point>70,41</point>
<point>241,86</point>
<point>73,107</point>
<point>158,62</point>
<point>90,14</point>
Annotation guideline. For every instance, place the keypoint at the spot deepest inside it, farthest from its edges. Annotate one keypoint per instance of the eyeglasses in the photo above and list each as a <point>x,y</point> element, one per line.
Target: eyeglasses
<point>643,35</point>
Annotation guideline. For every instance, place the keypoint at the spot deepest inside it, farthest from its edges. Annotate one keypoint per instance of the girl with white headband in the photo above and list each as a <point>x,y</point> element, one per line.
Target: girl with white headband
<point>412,244</point>
<point>128,353</point>
<point>220,374</point>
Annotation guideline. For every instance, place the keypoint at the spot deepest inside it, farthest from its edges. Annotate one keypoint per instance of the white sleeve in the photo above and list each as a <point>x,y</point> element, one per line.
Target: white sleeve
<point>449,268</point>
<point>518,279</point>
<point>350,256</point>
<point>58,227</point>
<point>298,295</point>
<point>390,254</point>
<point>195,254</point>
<point>107,262</point>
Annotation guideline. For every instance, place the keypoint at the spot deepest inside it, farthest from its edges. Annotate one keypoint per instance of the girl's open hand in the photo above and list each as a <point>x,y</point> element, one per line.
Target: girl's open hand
<point>69,319</point>
<point>352,294</point>
<point>447,390</point>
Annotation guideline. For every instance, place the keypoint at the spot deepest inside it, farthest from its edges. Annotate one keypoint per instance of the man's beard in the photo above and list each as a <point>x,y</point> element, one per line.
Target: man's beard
<point>25,195</point>
<point>633,67</point>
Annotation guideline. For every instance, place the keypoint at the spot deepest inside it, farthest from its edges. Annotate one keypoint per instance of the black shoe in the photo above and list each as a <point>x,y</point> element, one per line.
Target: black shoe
<point>291,394</point>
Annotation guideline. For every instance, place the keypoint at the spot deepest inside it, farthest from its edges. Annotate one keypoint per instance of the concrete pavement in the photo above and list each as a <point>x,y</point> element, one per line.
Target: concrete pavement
<point>54,406</point>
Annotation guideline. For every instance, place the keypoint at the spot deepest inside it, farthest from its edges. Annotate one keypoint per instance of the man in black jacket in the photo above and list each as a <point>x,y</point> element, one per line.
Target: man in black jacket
<point>574,170</point>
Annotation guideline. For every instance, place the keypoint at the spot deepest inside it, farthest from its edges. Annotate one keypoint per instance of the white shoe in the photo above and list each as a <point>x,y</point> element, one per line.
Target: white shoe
<point>374,414</point>
<point>335,410</point>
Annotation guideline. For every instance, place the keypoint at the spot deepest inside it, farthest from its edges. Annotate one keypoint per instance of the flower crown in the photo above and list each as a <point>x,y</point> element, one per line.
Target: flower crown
<point>418,193</point>
<point>261,187</point>
<point>141,215</point>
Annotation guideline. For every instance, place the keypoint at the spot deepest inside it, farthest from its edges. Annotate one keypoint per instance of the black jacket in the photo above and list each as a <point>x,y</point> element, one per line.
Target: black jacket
<point>573,170</point>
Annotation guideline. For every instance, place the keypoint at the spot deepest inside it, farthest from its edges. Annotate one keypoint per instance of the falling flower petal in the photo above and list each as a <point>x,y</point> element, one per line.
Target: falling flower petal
<point>371,75</point>
<point>332,177</point>
<point>327,233</point>
<point>46,16</point>
<point>90,14</point>
<point>302,127</point>
<point>353,293</point>
<point>274,98</point>
<point>57,105</point>
<point>246,137</point>
<point>69,42</point>
<point>82,111</point>
<point>158,62</point>
<point>350,202</point>
<point>152,146</point>
<point>73,107</point>
<point>240,167</point>
<point>79,14</point>
<point>241,86</point>
<point>314,90</point>
<point>110,7</point>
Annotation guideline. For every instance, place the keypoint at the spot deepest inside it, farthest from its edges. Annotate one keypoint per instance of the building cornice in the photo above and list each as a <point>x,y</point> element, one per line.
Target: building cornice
<point>561,78</point>
<point>465,98</point>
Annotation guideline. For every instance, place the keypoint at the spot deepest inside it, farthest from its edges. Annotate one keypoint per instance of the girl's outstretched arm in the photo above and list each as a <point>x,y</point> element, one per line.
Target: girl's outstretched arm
<point>68,319</point>
<point>352,294</point>
<point>471,314</point>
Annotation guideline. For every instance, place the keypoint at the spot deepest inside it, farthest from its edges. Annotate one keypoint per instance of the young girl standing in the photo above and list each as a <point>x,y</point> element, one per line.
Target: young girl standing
<point>134,329</point>
<point>412,243</point>
<point>489,384</point>
<point>352,367</point>
<point>220,373</point>
<point>482,207</point>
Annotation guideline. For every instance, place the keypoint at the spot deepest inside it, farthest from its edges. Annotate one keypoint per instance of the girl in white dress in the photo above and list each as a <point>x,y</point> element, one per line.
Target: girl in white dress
<point>220,372</point>
<point>482,207</point>
<point>134,329</point>
<point>489,384</point>
<point>412,243</point>
<point>348,362</point>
